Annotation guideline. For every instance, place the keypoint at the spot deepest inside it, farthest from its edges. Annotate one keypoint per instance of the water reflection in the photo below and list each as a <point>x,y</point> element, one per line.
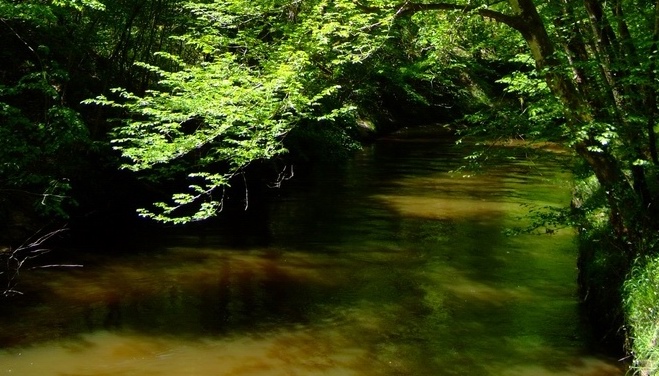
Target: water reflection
<point>387,267</point>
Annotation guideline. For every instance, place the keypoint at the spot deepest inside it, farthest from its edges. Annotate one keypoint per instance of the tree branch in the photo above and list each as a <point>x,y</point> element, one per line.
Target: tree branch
<point>513,21</point>
<point>408,8</point>
<point>12,260</point>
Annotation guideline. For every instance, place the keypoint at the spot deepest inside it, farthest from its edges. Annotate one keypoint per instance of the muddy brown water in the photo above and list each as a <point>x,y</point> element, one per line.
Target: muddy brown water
<point>387,265</point>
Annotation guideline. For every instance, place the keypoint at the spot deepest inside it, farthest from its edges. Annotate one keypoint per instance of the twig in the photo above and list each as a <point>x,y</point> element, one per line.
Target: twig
<point>57,266</point>
<point>246,191</point>
<point>14,260</point>
<point>283,176</point>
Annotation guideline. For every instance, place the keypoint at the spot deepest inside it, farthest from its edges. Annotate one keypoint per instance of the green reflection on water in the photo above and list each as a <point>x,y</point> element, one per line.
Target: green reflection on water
<point>388,267</point>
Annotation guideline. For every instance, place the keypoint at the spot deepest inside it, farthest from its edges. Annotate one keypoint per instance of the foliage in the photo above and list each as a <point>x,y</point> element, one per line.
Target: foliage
<point>232,113</point>
<point>321,142</point>
<point>539,114</point>
<point>260,69</point>
<point>642,313</point>
<point>41,133</point>
<point>544,220</point>
<point>244,74</point>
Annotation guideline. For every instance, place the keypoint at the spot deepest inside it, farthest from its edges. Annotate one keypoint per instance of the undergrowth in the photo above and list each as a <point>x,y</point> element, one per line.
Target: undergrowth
<point>641,305</point>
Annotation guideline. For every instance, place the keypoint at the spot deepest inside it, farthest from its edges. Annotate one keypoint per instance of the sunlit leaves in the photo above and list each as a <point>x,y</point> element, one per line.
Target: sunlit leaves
<point>80,4</point>
<point>604,134</point>
<point>537,106</point>
<point>237,104</point>
<point>30,11</point>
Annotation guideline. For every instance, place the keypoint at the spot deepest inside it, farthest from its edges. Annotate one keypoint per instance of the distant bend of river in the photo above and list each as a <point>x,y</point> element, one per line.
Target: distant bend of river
<point>388,265</point>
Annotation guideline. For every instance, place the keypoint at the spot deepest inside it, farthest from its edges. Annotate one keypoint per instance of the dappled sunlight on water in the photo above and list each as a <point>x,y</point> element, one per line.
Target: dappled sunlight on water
<point>582,366</point>
<point>186,268</point>
<point>294,352</point>
<point>389,267</point>
<point>445,208</point>
<point>467,289</point>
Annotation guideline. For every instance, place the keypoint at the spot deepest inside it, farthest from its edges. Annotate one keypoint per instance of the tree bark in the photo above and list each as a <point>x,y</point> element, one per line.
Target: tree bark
<point>651,91</point>
<point>578,112</point>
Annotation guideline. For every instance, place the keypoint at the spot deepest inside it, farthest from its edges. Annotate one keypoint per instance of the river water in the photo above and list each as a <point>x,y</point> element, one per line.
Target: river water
<point>387,265</point>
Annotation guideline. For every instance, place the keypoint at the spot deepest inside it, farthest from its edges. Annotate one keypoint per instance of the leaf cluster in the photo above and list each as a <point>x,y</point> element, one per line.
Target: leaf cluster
<point>259,70</point>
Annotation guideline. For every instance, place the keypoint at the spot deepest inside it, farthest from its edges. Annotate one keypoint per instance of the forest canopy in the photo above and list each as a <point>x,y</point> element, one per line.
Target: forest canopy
<point>246,74</point>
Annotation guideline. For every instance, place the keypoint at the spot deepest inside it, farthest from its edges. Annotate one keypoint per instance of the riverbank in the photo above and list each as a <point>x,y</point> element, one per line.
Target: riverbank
<point>641,307</point>
<point>620,296</point>
<point>621,300</point>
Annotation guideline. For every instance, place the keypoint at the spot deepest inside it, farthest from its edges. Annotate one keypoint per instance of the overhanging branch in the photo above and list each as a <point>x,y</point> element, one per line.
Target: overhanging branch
<point>408,8</point>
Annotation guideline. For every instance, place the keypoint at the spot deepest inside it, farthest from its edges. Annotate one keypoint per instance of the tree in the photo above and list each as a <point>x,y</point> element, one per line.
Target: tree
<point>605,87</point>
<point>258,69</point>
<point>41,132</point>
<point>253,71</point>
<point>55,54</point>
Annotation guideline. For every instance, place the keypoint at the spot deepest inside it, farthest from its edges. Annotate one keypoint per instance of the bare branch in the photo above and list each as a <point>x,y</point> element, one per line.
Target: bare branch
<point>58,266</point>
<point>12,260</point>
<point>513,21</point>
<point>246,191</point>
<point>29,243</point>
<point>283,176</point>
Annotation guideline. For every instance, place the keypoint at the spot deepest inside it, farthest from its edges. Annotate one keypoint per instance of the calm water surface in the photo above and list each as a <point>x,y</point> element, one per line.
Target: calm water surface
<point>386,266</point>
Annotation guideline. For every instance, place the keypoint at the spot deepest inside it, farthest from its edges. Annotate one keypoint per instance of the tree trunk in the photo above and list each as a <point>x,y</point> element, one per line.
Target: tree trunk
<point>651,91</point>
<point>578,112</point>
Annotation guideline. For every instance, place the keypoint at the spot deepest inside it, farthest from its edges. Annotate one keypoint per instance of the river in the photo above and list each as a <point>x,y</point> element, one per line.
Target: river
<point>386,265</point>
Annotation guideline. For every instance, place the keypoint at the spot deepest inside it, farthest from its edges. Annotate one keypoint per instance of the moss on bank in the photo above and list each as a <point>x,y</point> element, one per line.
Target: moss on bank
<point>641,308</point>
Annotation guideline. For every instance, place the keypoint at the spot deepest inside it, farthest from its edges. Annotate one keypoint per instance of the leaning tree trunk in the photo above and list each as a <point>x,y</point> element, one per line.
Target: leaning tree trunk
<point>578,111</point>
